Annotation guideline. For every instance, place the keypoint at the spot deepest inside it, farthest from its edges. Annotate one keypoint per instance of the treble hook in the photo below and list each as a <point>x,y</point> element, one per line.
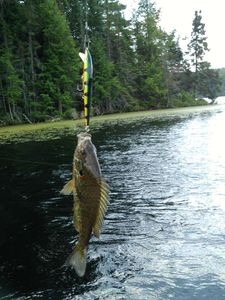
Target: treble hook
<point>80,87</point>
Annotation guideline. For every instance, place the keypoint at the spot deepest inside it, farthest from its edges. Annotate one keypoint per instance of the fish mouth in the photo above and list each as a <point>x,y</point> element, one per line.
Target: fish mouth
<point>83,136</point>
<point>84,143</point>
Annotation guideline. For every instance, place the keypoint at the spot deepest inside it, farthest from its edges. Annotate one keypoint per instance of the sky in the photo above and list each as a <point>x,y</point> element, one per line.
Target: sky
<point>179,14</point>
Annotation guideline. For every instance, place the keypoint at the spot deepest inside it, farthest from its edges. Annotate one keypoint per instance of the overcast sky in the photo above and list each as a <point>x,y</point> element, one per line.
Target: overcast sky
<point>179,14</point>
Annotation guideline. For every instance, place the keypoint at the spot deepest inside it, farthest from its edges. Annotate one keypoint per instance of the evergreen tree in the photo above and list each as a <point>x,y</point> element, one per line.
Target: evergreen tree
<point>151,88</point>
<point>120,53</point>
<point>197,47</point>
<point>136,64</point>
<point>172,62</point>
<point>10,84</point>
<point>210,83</point>
<point>222,79</point>
<point>39,60</point>
<point>59,67</point>
<point>75,12</point>
<point>105,84</point>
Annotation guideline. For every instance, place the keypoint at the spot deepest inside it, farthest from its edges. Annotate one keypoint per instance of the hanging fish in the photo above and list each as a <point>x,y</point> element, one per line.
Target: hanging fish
<point>90,199</point>
<point>87,83</point>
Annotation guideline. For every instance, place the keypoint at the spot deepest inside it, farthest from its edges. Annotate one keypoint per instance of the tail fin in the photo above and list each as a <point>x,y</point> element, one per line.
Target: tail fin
<point>78,260</point>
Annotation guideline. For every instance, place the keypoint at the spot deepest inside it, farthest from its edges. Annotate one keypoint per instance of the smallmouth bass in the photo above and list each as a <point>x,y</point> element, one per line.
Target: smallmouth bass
<point>90,193</point>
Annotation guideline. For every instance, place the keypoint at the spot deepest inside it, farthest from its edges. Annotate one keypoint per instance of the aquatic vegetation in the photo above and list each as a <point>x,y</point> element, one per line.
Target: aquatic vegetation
<point>55,130</point>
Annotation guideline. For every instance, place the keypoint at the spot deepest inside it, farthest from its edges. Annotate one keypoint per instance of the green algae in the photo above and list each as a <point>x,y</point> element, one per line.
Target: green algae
<point>58,129</point>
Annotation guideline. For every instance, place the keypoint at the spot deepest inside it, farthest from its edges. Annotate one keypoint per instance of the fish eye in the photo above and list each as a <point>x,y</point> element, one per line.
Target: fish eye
<point>81,173</point>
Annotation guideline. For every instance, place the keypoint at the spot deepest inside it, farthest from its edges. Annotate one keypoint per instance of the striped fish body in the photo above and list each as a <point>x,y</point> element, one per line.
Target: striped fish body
<point>90,199</point>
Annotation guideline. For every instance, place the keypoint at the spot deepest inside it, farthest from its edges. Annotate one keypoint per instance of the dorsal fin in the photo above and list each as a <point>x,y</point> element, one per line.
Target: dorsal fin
<point>102,207</point>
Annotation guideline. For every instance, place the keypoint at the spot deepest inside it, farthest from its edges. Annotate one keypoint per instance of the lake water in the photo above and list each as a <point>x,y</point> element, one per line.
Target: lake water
<point>164,232</point>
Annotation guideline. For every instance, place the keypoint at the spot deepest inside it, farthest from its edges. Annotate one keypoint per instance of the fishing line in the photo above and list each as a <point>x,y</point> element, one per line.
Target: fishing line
<point>30,162</point>
<point>86,28</point>
<point>87,72</point>
<point>138,244</point>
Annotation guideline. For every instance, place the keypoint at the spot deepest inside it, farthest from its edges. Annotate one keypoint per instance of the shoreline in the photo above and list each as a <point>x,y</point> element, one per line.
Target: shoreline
<point>25,128</point>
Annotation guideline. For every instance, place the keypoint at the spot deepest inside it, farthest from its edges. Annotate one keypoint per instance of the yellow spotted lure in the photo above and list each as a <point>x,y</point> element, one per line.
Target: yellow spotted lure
<point>87,84</point>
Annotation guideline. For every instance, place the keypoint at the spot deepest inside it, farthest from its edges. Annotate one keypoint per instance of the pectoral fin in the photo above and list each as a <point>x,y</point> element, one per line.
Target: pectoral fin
<point>68,188</point>
<point>102,207</point>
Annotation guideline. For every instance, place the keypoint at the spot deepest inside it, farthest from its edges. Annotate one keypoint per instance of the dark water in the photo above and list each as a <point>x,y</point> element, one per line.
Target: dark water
<point>164,232</point>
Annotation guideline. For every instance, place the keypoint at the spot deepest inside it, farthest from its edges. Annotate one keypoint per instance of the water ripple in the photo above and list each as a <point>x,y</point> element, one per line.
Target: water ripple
<point>163,235</point>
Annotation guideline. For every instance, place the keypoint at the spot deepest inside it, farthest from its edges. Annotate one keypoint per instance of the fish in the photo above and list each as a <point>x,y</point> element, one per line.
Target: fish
<point>87,78</point>
<point>91,198</point>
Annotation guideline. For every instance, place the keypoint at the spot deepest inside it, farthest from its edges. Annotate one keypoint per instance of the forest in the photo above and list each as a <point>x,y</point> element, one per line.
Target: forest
<point>137,65</point>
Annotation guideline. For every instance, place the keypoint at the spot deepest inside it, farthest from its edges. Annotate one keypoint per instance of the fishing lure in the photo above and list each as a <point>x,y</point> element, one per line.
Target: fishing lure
<point>87,84</point>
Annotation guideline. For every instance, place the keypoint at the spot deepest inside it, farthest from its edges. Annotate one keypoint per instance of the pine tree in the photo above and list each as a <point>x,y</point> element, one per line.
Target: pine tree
<point>173,65</point>
<point>136,64</point>
<point>120,53</point>
<point>197,47</point>
<point>59,65</point>
<point>151,88</point>
<point>209,82</point>
<point>75,14</point>
<point>103,78</point>
<point>10,84</point>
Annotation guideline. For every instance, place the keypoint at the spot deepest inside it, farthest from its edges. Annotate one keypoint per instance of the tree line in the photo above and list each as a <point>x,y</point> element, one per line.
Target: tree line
<point>137,65</point>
